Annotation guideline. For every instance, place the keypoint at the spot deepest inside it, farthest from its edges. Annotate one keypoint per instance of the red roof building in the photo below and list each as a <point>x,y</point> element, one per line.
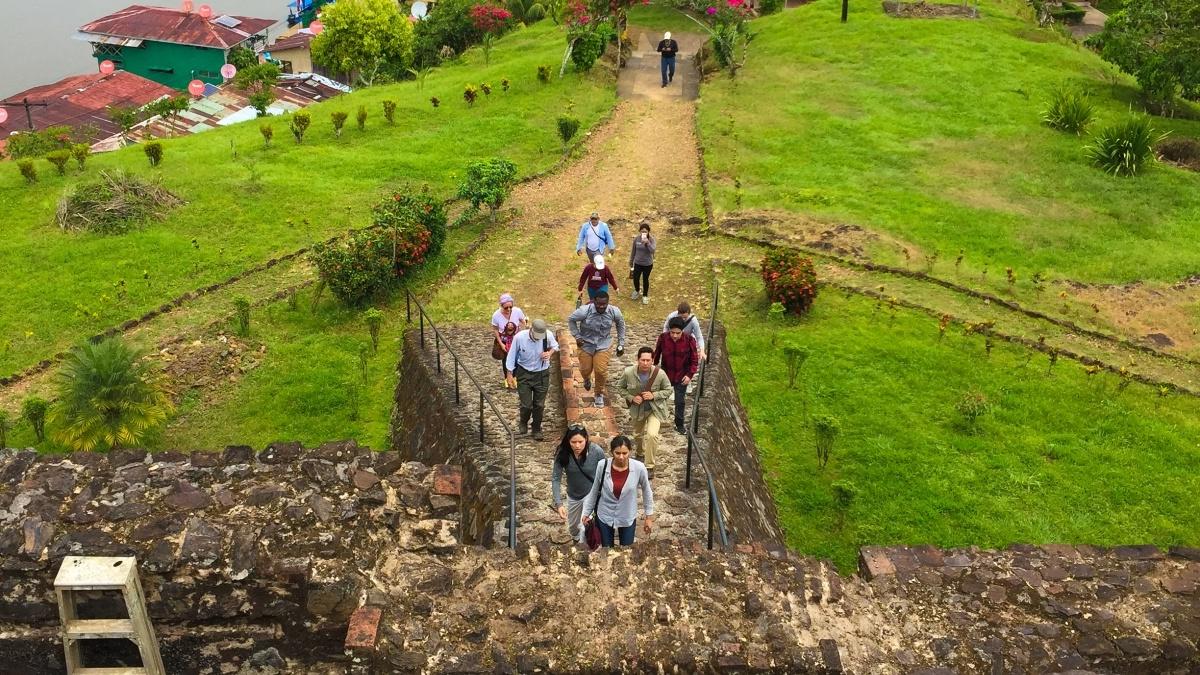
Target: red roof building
<point>81,100</point>
<point>163,24</point>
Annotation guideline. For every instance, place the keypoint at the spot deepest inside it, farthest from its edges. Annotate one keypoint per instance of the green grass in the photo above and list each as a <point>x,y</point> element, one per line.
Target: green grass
<point>60,288</point>
<point>660,17</point>
<point>1060,459</point>
<point>930,130</point>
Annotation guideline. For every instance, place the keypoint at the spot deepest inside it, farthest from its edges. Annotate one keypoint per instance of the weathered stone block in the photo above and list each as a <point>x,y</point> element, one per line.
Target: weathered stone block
<point>363,630</point>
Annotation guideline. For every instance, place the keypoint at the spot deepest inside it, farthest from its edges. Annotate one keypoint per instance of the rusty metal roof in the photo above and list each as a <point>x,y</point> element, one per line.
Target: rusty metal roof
<point>163,24</point>
<point>81,100</point>
<point>301,39</point>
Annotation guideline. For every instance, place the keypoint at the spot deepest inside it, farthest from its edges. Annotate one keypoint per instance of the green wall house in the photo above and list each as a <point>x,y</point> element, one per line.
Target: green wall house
<point>172,46</point>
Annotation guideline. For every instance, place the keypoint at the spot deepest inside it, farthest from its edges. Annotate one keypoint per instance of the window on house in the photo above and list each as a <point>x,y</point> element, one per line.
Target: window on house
<point>169,71</point>
<point>105,50</point>
<point>285,66</point>
<point>206,73</point>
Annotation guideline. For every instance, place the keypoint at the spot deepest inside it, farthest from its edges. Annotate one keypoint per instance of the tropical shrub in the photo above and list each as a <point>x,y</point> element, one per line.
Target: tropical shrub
<point>361,118</point>
<point>1156,42</point>
<point>971,406</point>
<point>526,11</point>
<point>339,122</point>
<point>1122,149</point>
<point>267,133</point>
<point>60,159</point>
<point>1069,110</point>
<point>37,143</point>
<point>794,357</point>
<point>389,111</point>
<point>488,183</point>
<point>449,28</point>
<point>374,319</point>
<point>28,170</point>
<point>419,209</point>
<point>589,39</point>
<point>33,411</point>
<point>300,123</point>
<point>490,21</point>
<point>371,39</point>
<point>543,74</point>
<point>107,397</point>
<point>470,93</point>
<point>241,309</point>
<point>766,7</point>
<point>81,152</point>
<point>116,203</point>
<point>790,279</point>
<point>567,128</point>
<point>825,431</point>
<point>154,152</point>
<point>5,427</point>
<point>435,101</point>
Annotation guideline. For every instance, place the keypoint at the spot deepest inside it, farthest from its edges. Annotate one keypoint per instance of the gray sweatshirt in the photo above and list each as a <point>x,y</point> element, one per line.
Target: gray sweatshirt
<point>594,329</point>
<point>642,253</point>
<point>578,484</point>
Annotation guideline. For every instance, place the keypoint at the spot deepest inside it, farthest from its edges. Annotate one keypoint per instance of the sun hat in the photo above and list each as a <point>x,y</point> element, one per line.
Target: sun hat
<point>667,35</point>
<point>538,330</point>
<point>505,297</point>
<point>598,261</point>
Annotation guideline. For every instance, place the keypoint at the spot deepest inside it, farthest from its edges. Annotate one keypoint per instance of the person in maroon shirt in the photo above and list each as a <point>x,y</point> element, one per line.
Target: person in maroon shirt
<point>598,277</point>
<point>676,353</point>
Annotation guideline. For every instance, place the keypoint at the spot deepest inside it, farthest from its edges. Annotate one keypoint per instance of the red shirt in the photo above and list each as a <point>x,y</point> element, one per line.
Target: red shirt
<point>618,480</point>
<point>678,358</point>
<point>596,278</point>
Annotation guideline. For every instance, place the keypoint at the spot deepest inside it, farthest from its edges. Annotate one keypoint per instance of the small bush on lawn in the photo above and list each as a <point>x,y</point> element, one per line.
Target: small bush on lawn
<point>766,7</point>
<point>389,111</point>
<point>339,122</point>
<point>154,152</point>
<point>790,279</point>
<point>972,406</point>
<point>421,209</point>
<point>567,128</point>
<point>300,123</point>
<point>1122,149</point>
<point>488,183</point>
<point>28,170</point>
<point>81,152</point>
<point>33,411</point>
<point>361,118</point>
<point>543,74</point>
<point>60,159</point>
<point>267,133</point>
<point>115,204</point>
<point>1069,110</point>
<point>470,93</point>
<point>5,426</point>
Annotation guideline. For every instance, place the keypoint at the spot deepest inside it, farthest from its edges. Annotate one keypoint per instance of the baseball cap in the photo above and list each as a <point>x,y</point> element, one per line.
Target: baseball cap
<point>538,330</point>
<point>599,262</point>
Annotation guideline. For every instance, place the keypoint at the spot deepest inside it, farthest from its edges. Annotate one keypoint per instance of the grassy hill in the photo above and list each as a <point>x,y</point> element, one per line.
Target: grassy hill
<point>247,203</point>
<point>929,130</point>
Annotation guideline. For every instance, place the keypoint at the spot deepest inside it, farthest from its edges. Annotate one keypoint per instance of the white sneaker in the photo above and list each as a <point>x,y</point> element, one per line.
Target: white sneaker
<point>645,299</point>
<point>635,295</point>
<point>599,400</point>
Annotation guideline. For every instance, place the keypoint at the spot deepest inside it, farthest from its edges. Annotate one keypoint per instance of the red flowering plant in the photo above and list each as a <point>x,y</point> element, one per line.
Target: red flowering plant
<point>491,20</point>
<point>728,27</point>
<point>790,279</point>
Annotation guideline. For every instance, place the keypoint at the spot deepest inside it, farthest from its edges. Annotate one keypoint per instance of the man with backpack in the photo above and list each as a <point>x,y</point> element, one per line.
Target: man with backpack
<point>591,325</point>
<point>529,359</point>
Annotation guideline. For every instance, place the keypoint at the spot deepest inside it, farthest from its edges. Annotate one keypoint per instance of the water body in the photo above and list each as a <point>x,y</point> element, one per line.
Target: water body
<point>35,35</point>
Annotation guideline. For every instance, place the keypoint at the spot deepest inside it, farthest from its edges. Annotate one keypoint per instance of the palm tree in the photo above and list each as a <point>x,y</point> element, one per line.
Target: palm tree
<point>526,11</point>
<point>107,397</point>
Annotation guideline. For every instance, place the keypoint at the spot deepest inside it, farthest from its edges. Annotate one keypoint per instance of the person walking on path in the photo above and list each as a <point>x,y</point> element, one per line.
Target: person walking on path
<point>595,238</point>
<point>646,388</point>
<point>612,501</point>
<point>529,360</point>
<point>676,352</point>
<point>691,326</point>
<point>591,325</point>
<point>500,349</point>
<point>508,314</point>
<point>668,48</point>
<point>641,262</point>
<point>598,277</point>
<point>578,458</point>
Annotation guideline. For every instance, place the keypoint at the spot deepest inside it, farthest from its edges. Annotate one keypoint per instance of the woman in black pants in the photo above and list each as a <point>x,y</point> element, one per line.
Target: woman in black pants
<point>641,261</point>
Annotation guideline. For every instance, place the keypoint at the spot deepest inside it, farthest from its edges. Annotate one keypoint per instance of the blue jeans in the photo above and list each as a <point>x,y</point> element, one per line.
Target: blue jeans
<point>625,534</point>
<point>668,70</point>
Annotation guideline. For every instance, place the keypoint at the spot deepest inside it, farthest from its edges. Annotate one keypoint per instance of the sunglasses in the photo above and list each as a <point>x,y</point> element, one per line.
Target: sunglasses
<point>576,427</point>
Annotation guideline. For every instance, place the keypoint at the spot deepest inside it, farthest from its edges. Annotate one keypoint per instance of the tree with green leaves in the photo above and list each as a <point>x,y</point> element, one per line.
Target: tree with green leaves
<point>1158,42</point>
<point>33,411</point>
<point>242,58</point>
<point>107,397</point>
<point>168,107</point>
<point>125,118</point>
<point>259,82</point>
<point>363,38</point>
<point>488,183</point>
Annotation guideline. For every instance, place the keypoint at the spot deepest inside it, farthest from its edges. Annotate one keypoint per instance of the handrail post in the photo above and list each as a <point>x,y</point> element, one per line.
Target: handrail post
<point>408,305</point>
<point>437,347</point>
<point>480,415</point>
<point>457,398</point>
<point>421,313</point>
<point>687,476</point>
<point>711,500</point>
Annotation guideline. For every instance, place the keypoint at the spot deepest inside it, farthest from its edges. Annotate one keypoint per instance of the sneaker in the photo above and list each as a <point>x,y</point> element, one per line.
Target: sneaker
<point>537,435</point>
<point>522,429</point>
<point>587,384</point>
<point>680,430</point>
<point>645,299</point>
<point>599,400</point>
<point>635,295</point>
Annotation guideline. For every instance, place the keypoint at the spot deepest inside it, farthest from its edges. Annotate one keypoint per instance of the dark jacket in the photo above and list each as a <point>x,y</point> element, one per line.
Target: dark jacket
<point>668,48</point>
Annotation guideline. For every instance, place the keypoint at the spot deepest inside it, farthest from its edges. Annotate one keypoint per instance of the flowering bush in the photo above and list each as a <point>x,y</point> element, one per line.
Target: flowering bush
<point>729,28</point>
<point>490,18</point>
<point>421,209</point>
<point>790,279</point>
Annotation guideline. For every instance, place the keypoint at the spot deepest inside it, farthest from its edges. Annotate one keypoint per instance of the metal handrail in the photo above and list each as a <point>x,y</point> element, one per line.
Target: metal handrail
<point>715,517</point>
<point>423,316</point>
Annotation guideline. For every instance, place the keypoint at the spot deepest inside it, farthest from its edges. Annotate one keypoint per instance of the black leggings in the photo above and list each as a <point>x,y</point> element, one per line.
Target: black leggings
<point>642,271</point>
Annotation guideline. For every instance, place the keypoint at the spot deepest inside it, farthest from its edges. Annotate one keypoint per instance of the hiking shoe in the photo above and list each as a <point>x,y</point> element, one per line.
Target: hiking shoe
<point>680,430</point>
<point>599,400</point>
<point>522,429</point>
<point>537,435</point>
<point>635,295</point>
<point>587,384</point>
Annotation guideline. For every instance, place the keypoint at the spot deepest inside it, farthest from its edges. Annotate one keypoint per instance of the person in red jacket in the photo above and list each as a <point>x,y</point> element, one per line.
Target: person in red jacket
<point>677,354</point>
<point>598,277</point>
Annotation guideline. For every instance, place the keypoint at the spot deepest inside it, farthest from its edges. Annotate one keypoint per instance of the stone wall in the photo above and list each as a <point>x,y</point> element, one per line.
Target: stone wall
<point>732,455</point>
<point>287,539</point>
<point>428,427</point>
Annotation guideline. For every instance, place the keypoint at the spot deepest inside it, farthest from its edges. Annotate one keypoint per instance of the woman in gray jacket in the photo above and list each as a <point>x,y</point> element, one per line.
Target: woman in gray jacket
<point>612,500</point>
<point>641,262</point>
<point>578,458</point>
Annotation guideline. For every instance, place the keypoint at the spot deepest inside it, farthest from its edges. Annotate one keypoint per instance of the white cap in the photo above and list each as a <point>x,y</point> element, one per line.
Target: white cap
<point>667,35</point>
<point>599,262</point>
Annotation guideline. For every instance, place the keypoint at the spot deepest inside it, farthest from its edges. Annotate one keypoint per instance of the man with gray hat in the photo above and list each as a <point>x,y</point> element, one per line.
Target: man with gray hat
<point>529,360</point>
<point>595,236</point>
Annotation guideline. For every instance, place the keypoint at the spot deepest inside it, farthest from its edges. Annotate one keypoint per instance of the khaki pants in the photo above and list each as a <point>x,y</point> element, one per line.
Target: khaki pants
<point>646,438</point>
<point>596,364</point>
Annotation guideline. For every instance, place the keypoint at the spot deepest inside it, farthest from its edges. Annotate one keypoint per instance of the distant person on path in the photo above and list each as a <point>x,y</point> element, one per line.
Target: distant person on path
<point>668,48</point>
<point>641,262</point>
<point>676,352</point>
<point>500,350</point>
<point>529,360</point>
<point>691,326</point>
<point>592,326</point>
<point>598,277</point>
<point>578,458</point>
<point>646,389</point>
<point>595,237</point>
<point>612,501</point>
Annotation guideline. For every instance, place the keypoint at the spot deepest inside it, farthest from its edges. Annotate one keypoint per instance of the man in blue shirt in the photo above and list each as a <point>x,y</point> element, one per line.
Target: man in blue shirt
<point>592,326</point>
<point>595,237</point>
<point>529,360</point>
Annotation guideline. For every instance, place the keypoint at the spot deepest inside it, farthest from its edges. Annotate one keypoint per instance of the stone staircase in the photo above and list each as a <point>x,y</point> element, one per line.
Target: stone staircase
<point>681,513</point>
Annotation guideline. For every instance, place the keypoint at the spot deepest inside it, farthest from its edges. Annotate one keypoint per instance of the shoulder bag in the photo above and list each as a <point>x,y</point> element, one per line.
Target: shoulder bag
<point>591,533</point>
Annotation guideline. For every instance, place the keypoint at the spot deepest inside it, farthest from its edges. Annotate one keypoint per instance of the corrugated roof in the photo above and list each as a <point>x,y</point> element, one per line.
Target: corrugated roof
<point>83,99</point>
<point>163,24</point>
<point>299,40</point>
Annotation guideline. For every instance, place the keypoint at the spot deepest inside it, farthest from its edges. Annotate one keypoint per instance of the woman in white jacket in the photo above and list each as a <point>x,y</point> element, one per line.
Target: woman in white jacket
<point>612,501</point>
